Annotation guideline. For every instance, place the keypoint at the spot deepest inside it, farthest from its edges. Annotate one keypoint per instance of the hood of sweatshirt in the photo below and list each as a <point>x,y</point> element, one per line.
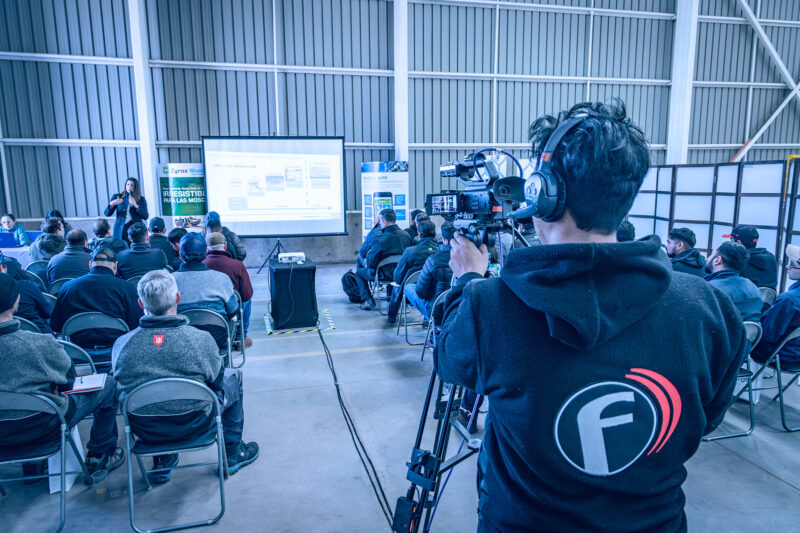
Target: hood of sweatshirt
<point>48,242</point>
<point>691,258</point>
<point>589,292</point>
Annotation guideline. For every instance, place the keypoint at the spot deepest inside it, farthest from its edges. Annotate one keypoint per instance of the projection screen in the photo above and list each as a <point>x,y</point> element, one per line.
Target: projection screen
<point>276,186</point>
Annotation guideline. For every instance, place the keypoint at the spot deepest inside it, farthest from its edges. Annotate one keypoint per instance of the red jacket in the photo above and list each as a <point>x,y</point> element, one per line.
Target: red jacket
<point>222,261</point>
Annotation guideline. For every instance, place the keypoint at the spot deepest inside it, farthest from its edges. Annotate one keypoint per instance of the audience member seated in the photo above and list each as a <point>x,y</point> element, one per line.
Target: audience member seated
<point>56,214</point>
<point>762,268</point>
<point>174,237</point>
<point>783,317</point>
<point>8,224</point>
<point>37,364</point>
<point>235,246</point>
<point>390,241</point>
<point>159,241</point>
<point>412,226</point>
<point>33,305</point>
<point>50,242</point>
<point>361,260</point>
<point>73,262</point>
<point>105,238</point>
<point>626,232</point>
<point>413,259</point>
<point>98,291</point>
<point>220,259</point>
<point>141,258</point>
<point>435,277</point>
<point>684,256</point>
<point>183,352</point>
<point>203,288</point>
<point>724,269</point>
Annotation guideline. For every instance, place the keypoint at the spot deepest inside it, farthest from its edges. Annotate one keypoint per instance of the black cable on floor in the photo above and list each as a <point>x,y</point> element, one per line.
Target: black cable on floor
<point>372,473</point>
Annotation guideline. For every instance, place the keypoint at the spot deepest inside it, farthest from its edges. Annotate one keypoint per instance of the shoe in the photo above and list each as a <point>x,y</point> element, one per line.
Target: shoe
<point>242,455</point>
<point>248,342</point>
<point>237,346</point>
<point>368,305</point>
<point>105,462</point>
<point>391,321</point>
<point>463,417</point>
<point>39,468</point>
<point>162,465</point>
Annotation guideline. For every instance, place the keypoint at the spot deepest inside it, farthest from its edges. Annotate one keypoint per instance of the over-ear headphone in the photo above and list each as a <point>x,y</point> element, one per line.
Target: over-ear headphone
<point>545,193</point>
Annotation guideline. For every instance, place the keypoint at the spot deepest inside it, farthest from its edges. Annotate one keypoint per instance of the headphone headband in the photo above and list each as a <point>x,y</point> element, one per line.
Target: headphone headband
<point>554,140</point>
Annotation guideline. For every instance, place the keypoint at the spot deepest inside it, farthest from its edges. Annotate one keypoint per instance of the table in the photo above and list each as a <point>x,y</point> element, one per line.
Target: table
<point>21,254</point>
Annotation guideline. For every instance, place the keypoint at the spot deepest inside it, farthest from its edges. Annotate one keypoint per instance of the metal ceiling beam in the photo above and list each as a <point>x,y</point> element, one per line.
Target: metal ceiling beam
<point>401,80</point>
<point>684,53</point>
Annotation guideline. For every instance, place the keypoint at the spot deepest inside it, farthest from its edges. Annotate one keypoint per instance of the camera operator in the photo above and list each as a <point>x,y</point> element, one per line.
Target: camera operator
<point>603,368</point>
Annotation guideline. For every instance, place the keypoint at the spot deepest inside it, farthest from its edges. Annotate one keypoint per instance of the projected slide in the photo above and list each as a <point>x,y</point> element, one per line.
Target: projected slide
<point>276,185</point>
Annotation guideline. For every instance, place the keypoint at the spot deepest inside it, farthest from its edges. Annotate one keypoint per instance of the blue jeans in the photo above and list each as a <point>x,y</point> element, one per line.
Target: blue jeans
<point>247,307</point>
<point>231,401</point>
<point>423,306</point>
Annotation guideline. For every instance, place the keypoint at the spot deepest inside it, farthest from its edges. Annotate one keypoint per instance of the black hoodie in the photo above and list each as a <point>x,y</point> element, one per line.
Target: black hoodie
<point>690,262</point>
<point>761,268</point>
<point>603,370</point>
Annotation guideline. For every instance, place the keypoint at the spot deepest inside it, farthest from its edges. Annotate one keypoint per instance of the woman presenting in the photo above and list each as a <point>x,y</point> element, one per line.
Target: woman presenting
<point>130,207</point>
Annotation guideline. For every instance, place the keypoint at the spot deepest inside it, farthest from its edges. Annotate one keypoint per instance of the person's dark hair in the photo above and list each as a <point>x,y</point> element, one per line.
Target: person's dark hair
<point>389,215</point>
<point>137,192</point>
<point>12,217</point>
<point>137,233</point>
<point>626,232</point>
<point>176,235</point>
<point>602,161</point>
<point>104,254</point>
<point>214,226</point>
<point>414,214</point>
<point>684,235</point>
<point>101,227</point>
<point>734,255</point>
<point>51,225</point>
<point>426,228</point>
<point>448,231</point>
<point>76,237</point>
<point>421,217</point>
<point>55,213</point>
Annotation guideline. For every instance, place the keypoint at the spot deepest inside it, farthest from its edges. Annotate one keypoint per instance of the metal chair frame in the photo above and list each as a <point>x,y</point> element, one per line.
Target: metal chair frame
<point>412,277</point>
<point>135,280</point>
<point>49,297</point>
<point>10,401</point>
<point>381,284</point>
<point>54,287</point>
<point>768,294</point>
<point>212,318</point>
<point>240,319</point>
<point>79,356</point>
<point>92,320</point>
<point>754,333</point>
<point>39,269</point>
<point>27,325</point>
<point>165,389</point>
<point>432,324</point>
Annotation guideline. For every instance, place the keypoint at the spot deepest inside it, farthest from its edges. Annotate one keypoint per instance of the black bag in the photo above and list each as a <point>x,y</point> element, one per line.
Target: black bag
<point>351,287</point>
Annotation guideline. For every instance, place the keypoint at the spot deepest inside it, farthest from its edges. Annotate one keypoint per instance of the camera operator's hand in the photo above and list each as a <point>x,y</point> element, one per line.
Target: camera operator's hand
<point>466,257</point>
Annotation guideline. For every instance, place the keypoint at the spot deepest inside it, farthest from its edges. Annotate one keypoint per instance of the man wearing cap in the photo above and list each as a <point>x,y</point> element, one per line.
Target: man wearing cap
<point>235,246</point>
<point>762,268</point>
<point>220,259</point>
<point>33,305</point>
<point>98,291</point>
<point>36,364</point>
<point>159,241</point>
<point>684,256</point>
<point>724,268</point>
<point>141,258</point>
<point>73,262</point>
<point>782,317</point>
<point>203,288</point>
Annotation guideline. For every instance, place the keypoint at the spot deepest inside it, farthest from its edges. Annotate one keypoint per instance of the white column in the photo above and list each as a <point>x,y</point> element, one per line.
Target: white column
<point>143,83</point>
<point>6,177</point>
<point>680,96</point>
<point>401,80</point>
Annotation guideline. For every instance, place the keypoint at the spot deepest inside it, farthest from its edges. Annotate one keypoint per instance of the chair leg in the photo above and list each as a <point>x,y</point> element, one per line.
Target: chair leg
<point>63,479</point>
<point>143,470</point>
<point>750,405</point>
<point>130,478</point>
<point>781,389</point>
<point>79,455</point>
<point>427,338</point>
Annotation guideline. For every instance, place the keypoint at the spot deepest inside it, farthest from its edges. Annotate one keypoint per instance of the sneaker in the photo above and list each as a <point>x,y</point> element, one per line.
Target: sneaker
<point>368,305</point>
<point>105,462</point>
<point>248,342</point>
<point>237,346</point>
<point>242,455</point>
<point>392,321</point>
<point>162,465</point>
<point>38,468</point>
<point>463,417</point>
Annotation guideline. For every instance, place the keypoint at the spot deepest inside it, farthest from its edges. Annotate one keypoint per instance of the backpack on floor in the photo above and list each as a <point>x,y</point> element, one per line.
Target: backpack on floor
<point>351,287</point>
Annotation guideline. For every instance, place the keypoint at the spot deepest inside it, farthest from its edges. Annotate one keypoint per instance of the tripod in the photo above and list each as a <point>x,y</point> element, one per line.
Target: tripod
<point>278,248</point>
<point>427,467</point>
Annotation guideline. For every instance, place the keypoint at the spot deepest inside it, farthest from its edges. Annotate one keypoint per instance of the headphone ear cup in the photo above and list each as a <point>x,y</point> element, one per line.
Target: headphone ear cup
<point>557,197</point>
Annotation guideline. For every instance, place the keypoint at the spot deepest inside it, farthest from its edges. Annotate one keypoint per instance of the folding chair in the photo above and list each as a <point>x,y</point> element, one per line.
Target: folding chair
<point>162,390</point>
<point>383,278</point>
<point>39,269</point>
<point>768,295</point>
<point>57,284</point>
<point>27,325</point>
<point>432,326</point>
<point>49,297</point>
<point>239,321</point>
<point>83,361</point>
<point>37,404</point>
<point>411,278</point>
<point>90,321</point>
<point>206,319</point>
<point>36,280</point>
<point>774,361</point>
<point>134,280</point>
<point>753,332</point>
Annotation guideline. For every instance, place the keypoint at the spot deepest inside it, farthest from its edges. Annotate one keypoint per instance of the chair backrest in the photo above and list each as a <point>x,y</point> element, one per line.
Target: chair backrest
<point>134,280</point>
<point>205,317</point>
<point>27,325</point>
<point>438,301</point>
<point>17,401</point>
<point>36,280</point>
<point>38,269</point>
<point>412,278</point>
<point>83,361</point>
<point>92,320</point>
<point>392,261</point>
<point>57,284</point>
<point>768,294</point>
<point>788,337</point>
<point>49,297</point>
<point>753,331</point>
<point>167,389</point>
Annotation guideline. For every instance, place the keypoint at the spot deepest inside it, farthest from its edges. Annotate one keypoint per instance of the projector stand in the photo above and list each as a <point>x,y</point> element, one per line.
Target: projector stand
<point>278,248</point>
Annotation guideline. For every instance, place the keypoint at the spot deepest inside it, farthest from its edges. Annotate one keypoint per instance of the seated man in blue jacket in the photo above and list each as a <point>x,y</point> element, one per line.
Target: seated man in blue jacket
<point>782,318</point>
<point>435,277</point>
<point>724,269</point>
<point>33,305</point>
<point>73,262</point>
<point>594,404</point>
<point>141,258</point>
<point>413,259</point>
<point>391,240</point>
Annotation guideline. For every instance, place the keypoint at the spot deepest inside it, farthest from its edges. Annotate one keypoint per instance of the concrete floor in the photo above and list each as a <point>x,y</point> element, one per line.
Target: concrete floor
<point>309,477</point>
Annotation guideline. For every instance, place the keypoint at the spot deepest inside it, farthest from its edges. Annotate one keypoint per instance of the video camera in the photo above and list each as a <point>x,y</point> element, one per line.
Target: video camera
<point>484,206</point>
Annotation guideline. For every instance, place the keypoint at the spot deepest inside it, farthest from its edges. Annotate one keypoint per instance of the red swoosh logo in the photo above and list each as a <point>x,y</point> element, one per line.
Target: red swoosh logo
<point>670,416</point>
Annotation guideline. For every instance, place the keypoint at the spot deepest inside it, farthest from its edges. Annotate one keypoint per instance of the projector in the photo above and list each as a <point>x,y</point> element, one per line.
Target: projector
<point>291,257</point>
